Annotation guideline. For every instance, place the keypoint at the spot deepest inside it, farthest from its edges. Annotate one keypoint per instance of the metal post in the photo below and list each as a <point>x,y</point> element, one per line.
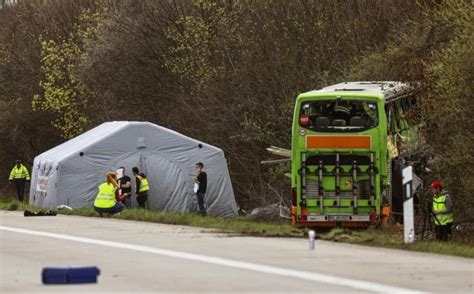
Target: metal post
<point>303,173</point>
<point>320,187</point>
<point>408,218</point>
<point>372,179</point>
<point>354,185</point>
<point>311,237</point>
<point>337,181</point>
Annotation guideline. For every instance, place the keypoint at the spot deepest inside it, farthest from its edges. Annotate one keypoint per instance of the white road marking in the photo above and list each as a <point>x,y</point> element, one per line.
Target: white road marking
<point>303,275</point>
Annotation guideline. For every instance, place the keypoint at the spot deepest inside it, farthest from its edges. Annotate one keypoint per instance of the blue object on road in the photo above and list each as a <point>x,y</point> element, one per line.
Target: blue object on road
<point>70,275</point>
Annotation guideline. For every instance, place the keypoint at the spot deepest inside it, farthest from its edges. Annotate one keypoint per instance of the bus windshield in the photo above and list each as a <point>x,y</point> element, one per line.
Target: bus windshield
<point>338,115</point>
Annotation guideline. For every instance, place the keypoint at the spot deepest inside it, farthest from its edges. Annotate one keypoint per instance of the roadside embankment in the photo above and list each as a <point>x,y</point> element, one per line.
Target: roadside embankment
<point>241,226</point>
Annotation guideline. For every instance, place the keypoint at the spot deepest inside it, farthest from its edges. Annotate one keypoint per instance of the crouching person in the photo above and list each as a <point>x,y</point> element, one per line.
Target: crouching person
<point>106,199</point>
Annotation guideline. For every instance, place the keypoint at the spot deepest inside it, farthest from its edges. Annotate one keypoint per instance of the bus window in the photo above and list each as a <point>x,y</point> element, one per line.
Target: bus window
<point>338,115</point>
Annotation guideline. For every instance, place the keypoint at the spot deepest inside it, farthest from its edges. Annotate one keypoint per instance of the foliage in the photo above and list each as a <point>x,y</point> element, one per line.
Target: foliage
<point>24,132</point>
<point>227,73</point>
<point>64,94</point>
<point>198,42</point>
<point>436,53</point>
<point>450,101</point>
<point>242,63</point>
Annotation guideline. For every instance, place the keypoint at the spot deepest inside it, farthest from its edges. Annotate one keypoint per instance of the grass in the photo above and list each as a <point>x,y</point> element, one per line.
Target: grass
<point>242,226</point>
<point>237,225</point>
<point>13,204</point>
<point>391,239</point>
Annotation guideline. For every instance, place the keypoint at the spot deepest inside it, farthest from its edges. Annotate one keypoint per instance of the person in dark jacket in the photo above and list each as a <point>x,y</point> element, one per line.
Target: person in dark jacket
<point>125,187</point>
<point>201,180</point>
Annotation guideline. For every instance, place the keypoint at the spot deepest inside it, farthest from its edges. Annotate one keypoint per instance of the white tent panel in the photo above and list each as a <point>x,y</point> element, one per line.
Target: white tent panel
<point>71,172</point>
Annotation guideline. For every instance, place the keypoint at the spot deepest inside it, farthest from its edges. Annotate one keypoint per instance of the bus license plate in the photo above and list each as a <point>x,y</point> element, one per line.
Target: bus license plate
<point>338,218</point>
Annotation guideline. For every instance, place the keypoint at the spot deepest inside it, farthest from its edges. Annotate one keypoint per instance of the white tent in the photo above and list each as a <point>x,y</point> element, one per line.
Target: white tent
<point>71,172</point>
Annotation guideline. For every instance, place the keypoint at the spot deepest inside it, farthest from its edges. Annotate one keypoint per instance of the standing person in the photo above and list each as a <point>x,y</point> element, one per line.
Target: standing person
<point>125,188</point>
<point>19,176</point>
<point>106,199</point>
<point>385,212</point>
<point>142,187</point>
<point>201,180</point>
<point>442,210</point>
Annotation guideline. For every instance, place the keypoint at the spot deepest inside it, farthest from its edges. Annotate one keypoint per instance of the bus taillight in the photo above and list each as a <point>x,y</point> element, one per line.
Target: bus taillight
<point>304,119</point>
<point>302,217</point>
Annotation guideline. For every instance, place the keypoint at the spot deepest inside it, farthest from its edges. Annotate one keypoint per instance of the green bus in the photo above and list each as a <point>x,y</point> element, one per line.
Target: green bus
<point>344,138</point>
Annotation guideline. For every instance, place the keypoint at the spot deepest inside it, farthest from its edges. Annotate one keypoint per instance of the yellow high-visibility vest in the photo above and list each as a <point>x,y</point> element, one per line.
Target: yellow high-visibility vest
<point>143,185</point>
<point>19,173</point>
<point>439,204</point>
<point>106,196</point>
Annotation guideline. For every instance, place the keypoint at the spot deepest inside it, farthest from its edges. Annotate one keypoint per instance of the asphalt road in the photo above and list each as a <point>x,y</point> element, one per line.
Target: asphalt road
<point>145,257</point>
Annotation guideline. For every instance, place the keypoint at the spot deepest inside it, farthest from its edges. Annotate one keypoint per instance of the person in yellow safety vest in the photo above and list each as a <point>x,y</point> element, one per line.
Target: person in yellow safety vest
<point>142,187</point>
<point>19,176</point>
<point>106,201</point>
<point>442,211</point>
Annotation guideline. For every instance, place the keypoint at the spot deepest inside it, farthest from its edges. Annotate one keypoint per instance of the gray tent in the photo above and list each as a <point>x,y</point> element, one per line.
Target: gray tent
<point>71,172</point>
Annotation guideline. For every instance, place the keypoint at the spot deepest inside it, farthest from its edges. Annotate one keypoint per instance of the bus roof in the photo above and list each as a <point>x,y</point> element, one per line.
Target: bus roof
<point>390,90</point>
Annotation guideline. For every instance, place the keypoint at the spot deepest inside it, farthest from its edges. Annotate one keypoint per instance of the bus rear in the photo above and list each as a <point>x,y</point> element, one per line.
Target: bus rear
<point>339,158</point>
